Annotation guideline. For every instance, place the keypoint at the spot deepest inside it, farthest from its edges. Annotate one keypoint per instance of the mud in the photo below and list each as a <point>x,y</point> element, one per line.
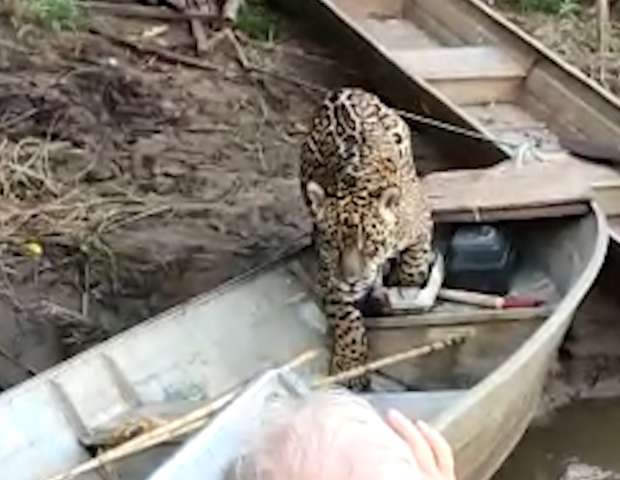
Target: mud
<point>144,182</point>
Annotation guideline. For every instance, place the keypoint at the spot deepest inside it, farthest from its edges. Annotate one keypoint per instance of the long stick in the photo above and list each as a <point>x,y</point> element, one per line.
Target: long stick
<point>396,358</point>
<point>171,429</point>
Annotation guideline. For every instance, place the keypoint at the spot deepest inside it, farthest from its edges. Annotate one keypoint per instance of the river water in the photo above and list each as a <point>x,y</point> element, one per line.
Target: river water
<point>587,431</point>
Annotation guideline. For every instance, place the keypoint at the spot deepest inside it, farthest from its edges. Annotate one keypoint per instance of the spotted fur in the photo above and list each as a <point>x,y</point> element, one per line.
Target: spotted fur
<point>359,182</point>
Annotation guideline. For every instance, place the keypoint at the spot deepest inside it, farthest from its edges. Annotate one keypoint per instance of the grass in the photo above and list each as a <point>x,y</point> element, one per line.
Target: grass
<point>559,7</point>
<point>56,15</point>
<point>257,20</point>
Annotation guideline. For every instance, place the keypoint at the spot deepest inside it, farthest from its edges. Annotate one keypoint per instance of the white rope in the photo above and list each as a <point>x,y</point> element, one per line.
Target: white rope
<point>525,150</point>
<point>455,129</point>
<point>519,150</point>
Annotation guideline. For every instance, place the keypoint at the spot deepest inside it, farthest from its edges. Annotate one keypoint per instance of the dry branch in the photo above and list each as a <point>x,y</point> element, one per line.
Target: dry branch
<point>205,65</point>
<point>13,46</point>
<point>50,309</point>
<point>17,363</point>
<point>160,52</point>
<point>241,56</point>
<point>200,36</point>
<point>139,11</point>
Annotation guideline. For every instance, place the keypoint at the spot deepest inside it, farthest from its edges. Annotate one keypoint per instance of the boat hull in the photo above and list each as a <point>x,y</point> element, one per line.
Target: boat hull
<point>209,345</point>
<point>485,426</point>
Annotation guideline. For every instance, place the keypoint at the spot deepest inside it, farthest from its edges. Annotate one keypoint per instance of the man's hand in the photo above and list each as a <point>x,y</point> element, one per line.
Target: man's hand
<point>431,451</point>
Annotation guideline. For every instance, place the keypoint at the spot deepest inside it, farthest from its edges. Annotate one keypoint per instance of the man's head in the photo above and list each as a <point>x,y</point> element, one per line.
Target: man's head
<point>329,436</point>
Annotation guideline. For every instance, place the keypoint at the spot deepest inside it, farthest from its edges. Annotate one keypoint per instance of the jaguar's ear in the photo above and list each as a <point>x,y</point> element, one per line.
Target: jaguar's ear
<point>316,195</point>
<point>388,202</point>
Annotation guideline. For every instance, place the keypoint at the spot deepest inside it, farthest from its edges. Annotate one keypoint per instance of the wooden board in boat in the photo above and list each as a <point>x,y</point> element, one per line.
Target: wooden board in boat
<point>507,191</point>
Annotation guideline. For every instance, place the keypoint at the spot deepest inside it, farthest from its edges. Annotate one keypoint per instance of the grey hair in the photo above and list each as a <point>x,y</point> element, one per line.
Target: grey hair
<point>325,435</point>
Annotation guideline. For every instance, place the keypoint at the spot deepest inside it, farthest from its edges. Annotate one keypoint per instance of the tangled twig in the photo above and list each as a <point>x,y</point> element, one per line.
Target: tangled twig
<point>37,201</point>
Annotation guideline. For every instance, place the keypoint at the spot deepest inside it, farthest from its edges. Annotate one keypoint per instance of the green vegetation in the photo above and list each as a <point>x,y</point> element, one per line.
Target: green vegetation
<point>54,14</point>
<point>257,20</point>
<point>57,14</point>
<point>561,7</point>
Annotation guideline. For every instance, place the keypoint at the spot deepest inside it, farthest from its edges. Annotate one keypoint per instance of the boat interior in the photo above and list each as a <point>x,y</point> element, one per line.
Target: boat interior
<point>167,366</point>
<point>497,334</point>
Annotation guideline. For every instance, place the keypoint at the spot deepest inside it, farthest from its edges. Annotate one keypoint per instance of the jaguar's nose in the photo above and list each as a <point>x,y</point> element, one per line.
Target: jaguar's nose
<point>351,264</point>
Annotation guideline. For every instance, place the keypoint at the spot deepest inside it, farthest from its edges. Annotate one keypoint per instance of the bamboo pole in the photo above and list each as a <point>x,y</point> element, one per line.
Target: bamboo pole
<point>172,429</point>
<point>392,359</point>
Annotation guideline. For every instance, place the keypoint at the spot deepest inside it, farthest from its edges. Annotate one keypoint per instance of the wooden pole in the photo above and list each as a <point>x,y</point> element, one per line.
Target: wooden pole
<point>392,359</point>
<point>172,429</point>
<point>603,34</point>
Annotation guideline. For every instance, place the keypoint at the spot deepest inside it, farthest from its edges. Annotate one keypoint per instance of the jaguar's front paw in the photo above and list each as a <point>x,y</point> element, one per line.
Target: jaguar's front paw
<point>376,303</point>
<point>340,364</point>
